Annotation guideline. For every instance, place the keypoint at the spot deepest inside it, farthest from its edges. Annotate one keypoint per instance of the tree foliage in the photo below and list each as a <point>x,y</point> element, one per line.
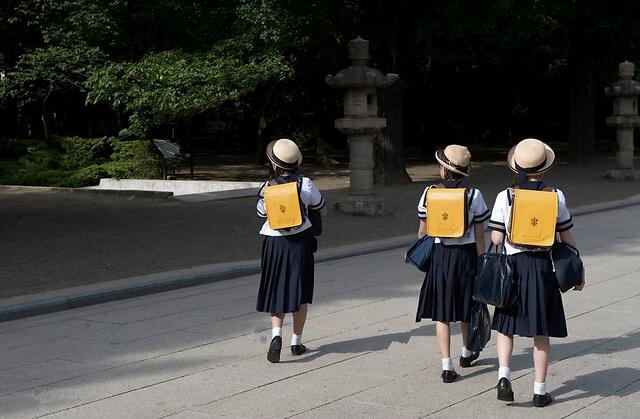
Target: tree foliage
<point>166,86</point>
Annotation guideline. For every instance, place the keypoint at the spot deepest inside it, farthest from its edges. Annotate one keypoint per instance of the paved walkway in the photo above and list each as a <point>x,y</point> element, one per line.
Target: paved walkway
<point>200,352</point>
<point>53,240</point>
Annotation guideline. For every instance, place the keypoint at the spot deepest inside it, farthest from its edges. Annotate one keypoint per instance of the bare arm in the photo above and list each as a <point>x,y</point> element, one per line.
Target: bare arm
<point>323,211</point>
<point>478,230</point>
<point>497,237</point>
<point>422,229</point>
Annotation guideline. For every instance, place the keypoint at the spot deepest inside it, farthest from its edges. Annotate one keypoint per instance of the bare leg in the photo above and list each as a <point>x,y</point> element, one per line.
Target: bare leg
<point>505,348</point>
<point>442,330</point>
<point>277,319</point>
<point>464,327</point>
<point>299,318</point>
<point>541,349</point>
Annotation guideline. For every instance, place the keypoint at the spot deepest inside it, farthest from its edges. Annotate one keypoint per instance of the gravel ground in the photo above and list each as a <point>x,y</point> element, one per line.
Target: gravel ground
<point>51,240</point>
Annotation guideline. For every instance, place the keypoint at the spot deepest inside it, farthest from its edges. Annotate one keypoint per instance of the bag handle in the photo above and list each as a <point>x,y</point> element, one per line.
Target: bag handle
<point>572,248</point>
<point>499,248</point>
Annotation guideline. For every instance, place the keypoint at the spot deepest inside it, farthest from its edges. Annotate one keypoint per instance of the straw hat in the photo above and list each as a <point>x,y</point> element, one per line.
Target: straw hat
<point>530,156</point>
<point>455,158</point>
<point>284,153</point>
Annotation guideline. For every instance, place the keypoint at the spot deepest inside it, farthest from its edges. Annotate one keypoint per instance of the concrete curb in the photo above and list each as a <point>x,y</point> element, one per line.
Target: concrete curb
<point>68,298</point>
<point>152,194</point>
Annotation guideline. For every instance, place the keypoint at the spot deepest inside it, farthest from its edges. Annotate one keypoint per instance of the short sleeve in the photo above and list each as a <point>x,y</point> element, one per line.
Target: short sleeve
<point>262,211</point>
<point>422,209</point>
<point>315,198</point>
<point>497,221</point>
<point>479,208</point>
<point>565,221</point>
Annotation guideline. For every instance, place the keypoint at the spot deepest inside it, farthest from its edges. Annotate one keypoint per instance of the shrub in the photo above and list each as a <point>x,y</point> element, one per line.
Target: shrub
<point>14,148</point>
<point>82,152</point>
<point>132,159</point>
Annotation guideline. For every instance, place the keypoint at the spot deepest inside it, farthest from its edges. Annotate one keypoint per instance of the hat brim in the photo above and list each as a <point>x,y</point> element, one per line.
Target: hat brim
<point>549,160</point>
<point>448,166</point>
<point>281,164</point>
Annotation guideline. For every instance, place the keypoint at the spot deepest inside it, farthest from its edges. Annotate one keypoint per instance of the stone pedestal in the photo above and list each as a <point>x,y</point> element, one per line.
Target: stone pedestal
<point>624,156</point>
<point>625,119</point>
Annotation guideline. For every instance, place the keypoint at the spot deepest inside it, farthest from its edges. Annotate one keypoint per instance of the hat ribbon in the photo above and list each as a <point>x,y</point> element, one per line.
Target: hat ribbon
<point>456,166</point>
<point>524,171</point>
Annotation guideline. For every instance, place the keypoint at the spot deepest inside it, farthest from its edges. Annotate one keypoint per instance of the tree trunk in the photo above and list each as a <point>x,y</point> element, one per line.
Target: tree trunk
<point>261,143</point>
<point>582,90</point>
<point>389,162</point>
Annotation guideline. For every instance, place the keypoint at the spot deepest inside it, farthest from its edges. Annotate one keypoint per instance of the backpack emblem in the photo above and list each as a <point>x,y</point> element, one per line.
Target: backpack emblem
<point>534,221</point>
<point>282,208</point>
<point>445,216</point>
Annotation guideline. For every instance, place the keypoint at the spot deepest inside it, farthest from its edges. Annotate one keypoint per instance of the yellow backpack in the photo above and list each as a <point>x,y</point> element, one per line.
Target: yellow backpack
<point>282,202</point>
<point>447,212</point>
<point>534,216</point>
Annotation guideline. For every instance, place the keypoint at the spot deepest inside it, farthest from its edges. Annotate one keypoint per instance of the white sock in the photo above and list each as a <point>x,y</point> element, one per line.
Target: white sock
<point>504,372</point>
<point>276,331</point>
<point>447,364</point>
<point>539,388</point>
<point>466,353</point>
<point>296,339</point>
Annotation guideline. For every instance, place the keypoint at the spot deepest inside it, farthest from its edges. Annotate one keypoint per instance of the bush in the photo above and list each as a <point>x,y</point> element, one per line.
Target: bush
<point>132,159</point>
<point>14,148</point>
<point>82,152</point>
<point>76,162</point>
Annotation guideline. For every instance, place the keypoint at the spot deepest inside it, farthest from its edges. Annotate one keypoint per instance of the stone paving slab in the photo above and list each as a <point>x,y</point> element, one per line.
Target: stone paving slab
<point>200,352</point>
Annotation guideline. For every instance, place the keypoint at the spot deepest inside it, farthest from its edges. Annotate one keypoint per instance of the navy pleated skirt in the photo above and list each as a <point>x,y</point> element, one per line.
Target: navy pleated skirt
<point>447,289</point>
<point>287,273</point>
<point>540,310</point>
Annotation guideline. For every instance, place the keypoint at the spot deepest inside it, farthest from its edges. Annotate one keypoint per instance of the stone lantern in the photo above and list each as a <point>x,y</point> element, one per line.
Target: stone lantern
<point>361,123</point>
<point>625,117</point>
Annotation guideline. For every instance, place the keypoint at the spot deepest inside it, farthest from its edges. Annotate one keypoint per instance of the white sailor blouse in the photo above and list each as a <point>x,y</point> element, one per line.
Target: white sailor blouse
<point>478,213</point>
<point>311,199</point>
<point>501,217</point>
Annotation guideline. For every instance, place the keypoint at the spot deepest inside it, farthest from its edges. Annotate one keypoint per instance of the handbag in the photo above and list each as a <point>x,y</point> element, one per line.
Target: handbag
<point>315,218</point>
<point>495,280</point>
<point>479,327</point>
<point>567,265</point>
<point>419,254</point>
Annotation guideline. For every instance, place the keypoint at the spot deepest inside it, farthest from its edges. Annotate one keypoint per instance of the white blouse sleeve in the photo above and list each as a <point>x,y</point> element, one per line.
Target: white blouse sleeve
<point>497,221</point>
<point>315,200</point>
<point>422,208</point>
<point>565,221</point>
<point>479,208</point>
<point>262,211</point>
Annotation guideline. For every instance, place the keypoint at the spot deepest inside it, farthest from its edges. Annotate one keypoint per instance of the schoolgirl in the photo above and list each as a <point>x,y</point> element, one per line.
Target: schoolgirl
<point>446,294</point>
<point>286,283</point>
<point>540,313</point>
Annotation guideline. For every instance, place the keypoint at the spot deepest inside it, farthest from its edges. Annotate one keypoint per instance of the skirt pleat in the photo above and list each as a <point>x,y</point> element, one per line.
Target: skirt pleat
<point>287,273</point>
<point>447,289</point>
<point>540,310</point>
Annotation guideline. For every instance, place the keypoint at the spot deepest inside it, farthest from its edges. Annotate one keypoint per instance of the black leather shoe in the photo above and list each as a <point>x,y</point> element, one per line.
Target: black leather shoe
<point>298,349</point>
<point>465,362</point>
<point>505,392</point>
<point>449,376</point>
<point>274,349</point>
<point>542,400</point>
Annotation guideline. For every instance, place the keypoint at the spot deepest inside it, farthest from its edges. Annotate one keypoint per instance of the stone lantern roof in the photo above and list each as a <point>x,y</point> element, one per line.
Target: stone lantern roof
<point>626,86</point>
<point>359,74</point>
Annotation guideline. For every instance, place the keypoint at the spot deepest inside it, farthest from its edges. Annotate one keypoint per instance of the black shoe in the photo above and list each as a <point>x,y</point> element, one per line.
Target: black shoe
<point>449,376</point>
<point>466,362</point>
<point>542,400</point>
<point>298,349</point>
<point>505,393</point>
<point>274,349</point>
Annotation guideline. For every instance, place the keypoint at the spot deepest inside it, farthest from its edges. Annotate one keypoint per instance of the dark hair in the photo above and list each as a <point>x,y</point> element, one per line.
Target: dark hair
<point>450,175</point>
<point>279,171</point>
